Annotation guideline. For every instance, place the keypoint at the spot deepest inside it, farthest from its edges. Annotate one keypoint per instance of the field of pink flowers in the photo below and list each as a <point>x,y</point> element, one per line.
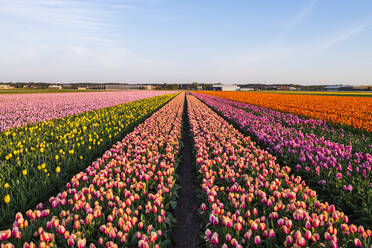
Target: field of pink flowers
<point>122,199</point>
<point>21,109</point>
<point>249,200</point>
<point>338,168</point>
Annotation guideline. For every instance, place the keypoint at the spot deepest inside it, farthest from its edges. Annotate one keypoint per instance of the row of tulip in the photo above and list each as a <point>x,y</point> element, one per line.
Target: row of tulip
<point>36,160</point>
<point>22,109</point>
<point>360,141</point>
<point>338,174</point>
<point>345,110</point>
<point>121,200</point>
<point>249,200</point>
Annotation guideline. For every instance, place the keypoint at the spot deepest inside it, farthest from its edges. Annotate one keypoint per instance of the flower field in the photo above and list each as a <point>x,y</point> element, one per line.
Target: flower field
<point>121,199</point>
<point>249,200</point>
<point>111,170</point>
<point>344,110</point>
<point>332,168</point>
<point>21,109</point>
<point>36,160</point>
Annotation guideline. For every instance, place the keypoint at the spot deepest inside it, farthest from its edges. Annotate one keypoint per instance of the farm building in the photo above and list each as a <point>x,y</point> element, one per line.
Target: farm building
<point>6,86</point>
<point>338,88</point>
<point>246,89</point>
<point>361,88</point>
<point>225,87</point>
<point>55,87</point>
<point>148,87</point>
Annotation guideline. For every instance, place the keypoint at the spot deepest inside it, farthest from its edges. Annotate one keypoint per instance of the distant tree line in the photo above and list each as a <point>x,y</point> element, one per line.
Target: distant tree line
<point>192,86</point>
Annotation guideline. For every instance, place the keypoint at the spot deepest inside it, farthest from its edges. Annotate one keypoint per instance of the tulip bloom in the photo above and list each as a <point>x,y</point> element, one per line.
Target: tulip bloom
<point>215,239</point>
<point>257,240</point>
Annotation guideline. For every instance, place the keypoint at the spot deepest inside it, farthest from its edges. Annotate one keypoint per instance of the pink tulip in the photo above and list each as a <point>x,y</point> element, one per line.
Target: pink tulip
<point>248,235</point>
<point>61,229</point>
<point>112,234</point>
<point>271,233</point>
<point>215,239</point>
<point>327,236</point>
<point>257,240</point>
<point>289,240</point>
<point>308,235</point>
<point>254,226</point>
<point>228,237</point>
<point>81,243</point>
<point>4,235</point>
<point>153,236</point>
<point>301,241</point>
<point>208,233</point>
<point>357,243</point>
<point>71,241</point>
<point>334,244</point>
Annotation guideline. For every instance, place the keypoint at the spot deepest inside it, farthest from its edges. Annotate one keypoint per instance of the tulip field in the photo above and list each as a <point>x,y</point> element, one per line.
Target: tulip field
<point>345,110</point>
<point>20,109</point>
<point>102,169</point>
<point>333,166</point>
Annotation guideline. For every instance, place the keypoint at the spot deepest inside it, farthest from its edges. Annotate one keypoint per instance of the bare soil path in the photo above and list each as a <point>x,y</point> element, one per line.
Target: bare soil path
<point>186,234</point>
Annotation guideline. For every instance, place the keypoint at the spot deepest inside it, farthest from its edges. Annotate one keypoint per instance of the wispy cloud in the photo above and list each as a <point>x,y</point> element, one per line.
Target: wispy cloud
<point>137,40</point>
<point>303,13</point>
<point>69,14</point>
<point>61,36</point>
<point>342,36</point>
<point>277,47</point>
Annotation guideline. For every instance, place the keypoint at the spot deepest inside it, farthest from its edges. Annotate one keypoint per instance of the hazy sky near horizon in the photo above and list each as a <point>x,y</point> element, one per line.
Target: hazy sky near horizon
<point>140,41</point>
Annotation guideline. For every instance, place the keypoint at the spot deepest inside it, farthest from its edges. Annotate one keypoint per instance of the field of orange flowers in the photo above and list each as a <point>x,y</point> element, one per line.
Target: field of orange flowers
<point>345,110</point>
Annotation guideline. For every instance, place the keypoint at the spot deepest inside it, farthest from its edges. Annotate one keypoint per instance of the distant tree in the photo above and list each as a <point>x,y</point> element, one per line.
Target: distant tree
<point>207,86</point>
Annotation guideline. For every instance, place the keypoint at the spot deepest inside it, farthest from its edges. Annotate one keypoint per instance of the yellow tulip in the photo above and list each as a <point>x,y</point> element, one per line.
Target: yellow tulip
<point>24,172</point>
<point>7,198</point>
<point>6,185</point>
<point>58,169</point>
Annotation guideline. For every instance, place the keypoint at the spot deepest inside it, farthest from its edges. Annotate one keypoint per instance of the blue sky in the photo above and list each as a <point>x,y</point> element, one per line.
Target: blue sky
<point>137,41</point>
